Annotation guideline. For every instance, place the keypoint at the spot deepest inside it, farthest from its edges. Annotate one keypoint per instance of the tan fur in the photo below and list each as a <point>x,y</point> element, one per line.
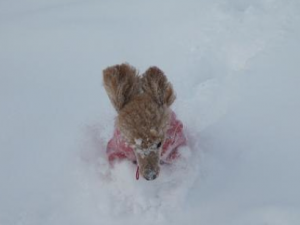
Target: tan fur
<point>121,84</point>
<point>155,83</point>
<point>143,110</point>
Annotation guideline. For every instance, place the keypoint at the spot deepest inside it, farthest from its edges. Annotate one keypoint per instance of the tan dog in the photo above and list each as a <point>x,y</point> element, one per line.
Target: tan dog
<point>142,103</point>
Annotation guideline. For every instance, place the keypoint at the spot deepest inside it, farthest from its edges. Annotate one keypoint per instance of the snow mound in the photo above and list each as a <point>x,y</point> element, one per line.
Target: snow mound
<point>141,198</point>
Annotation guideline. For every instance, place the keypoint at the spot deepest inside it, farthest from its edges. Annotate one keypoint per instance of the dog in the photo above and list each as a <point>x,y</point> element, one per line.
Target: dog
<point>145,128</point>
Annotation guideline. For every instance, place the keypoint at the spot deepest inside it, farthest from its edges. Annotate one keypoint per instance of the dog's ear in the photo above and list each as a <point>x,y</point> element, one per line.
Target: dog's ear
<point>121,83</point>
<point>155,83</point>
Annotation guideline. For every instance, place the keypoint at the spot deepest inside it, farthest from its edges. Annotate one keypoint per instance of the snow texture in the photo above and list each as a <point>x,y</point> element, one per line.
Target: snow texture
<point>234,65</point>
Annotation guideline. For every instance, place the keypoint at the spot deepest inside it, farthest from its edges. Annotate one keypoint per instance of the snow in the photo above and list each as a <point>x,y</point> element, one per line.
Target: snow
<point>138,141</point>
<point>234,66</point>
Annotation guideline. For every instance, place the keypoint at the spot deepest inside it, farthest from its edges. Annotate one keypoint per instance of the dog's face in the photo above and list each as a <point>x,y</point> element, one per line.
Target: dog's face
<point>143,123</point>
<point>142,104</point>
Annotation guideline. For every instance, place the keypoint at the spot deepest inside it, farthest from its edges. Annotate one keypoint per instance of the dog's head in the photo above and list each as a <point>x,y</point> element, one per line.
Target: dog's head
<point>142,103</point>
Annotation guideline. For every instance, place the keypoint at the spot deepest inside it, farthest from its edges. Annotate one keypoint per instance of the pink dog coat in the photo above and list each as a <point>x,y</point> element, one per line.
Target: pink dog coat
<point>117,148</point>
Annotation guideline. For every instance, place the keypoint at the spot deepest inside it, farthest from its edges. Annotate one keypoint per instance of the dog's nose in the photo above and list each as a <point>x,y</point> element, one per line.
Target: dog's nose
<point>150,175</point>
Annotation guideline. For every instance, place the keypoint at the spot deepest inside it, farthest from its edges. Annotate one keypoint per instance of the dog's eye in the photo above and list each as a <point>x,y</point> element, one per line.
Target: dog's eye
<point>158,145</point>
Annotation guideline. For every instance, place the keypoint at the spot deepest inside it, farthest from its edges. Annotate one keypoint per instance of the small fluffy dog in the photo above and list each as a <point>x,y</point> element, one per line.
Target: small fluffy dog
<point>144,114</point>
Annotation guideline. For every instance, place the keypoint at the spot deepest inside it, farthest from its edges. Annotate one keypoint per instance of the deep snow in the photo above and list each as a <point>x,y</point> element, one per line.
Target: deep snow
<point>235,67</point>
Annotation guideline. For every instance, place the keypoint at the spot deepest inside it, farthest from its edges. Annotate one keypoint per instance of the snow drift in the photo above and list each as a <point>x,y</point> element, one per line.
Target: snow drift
<point>234,67</point>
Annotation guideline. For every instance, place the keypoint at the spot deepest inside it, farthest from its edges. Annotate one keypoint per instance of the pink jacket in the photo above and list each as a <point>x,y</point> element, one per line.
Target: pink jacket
<point>117,148</point>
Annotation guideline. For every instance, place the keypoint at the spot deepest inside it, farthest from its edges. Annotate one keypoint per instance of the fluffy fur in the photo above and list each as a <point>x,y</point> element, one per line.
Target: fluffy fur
<point>142,103</point>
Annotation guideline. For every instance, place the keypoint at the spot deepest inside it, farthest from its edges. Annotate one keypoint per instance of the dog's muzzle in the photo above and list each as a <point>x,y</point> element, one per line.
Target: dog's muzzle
<point>150,175</point>
<point>148,161</point>
<point>150,172</point>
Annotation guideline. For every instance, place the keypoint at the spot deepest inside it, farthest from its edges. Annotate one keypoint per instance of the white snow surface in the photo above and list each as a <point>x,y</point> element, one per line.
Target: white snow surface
<point>234,65</point>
